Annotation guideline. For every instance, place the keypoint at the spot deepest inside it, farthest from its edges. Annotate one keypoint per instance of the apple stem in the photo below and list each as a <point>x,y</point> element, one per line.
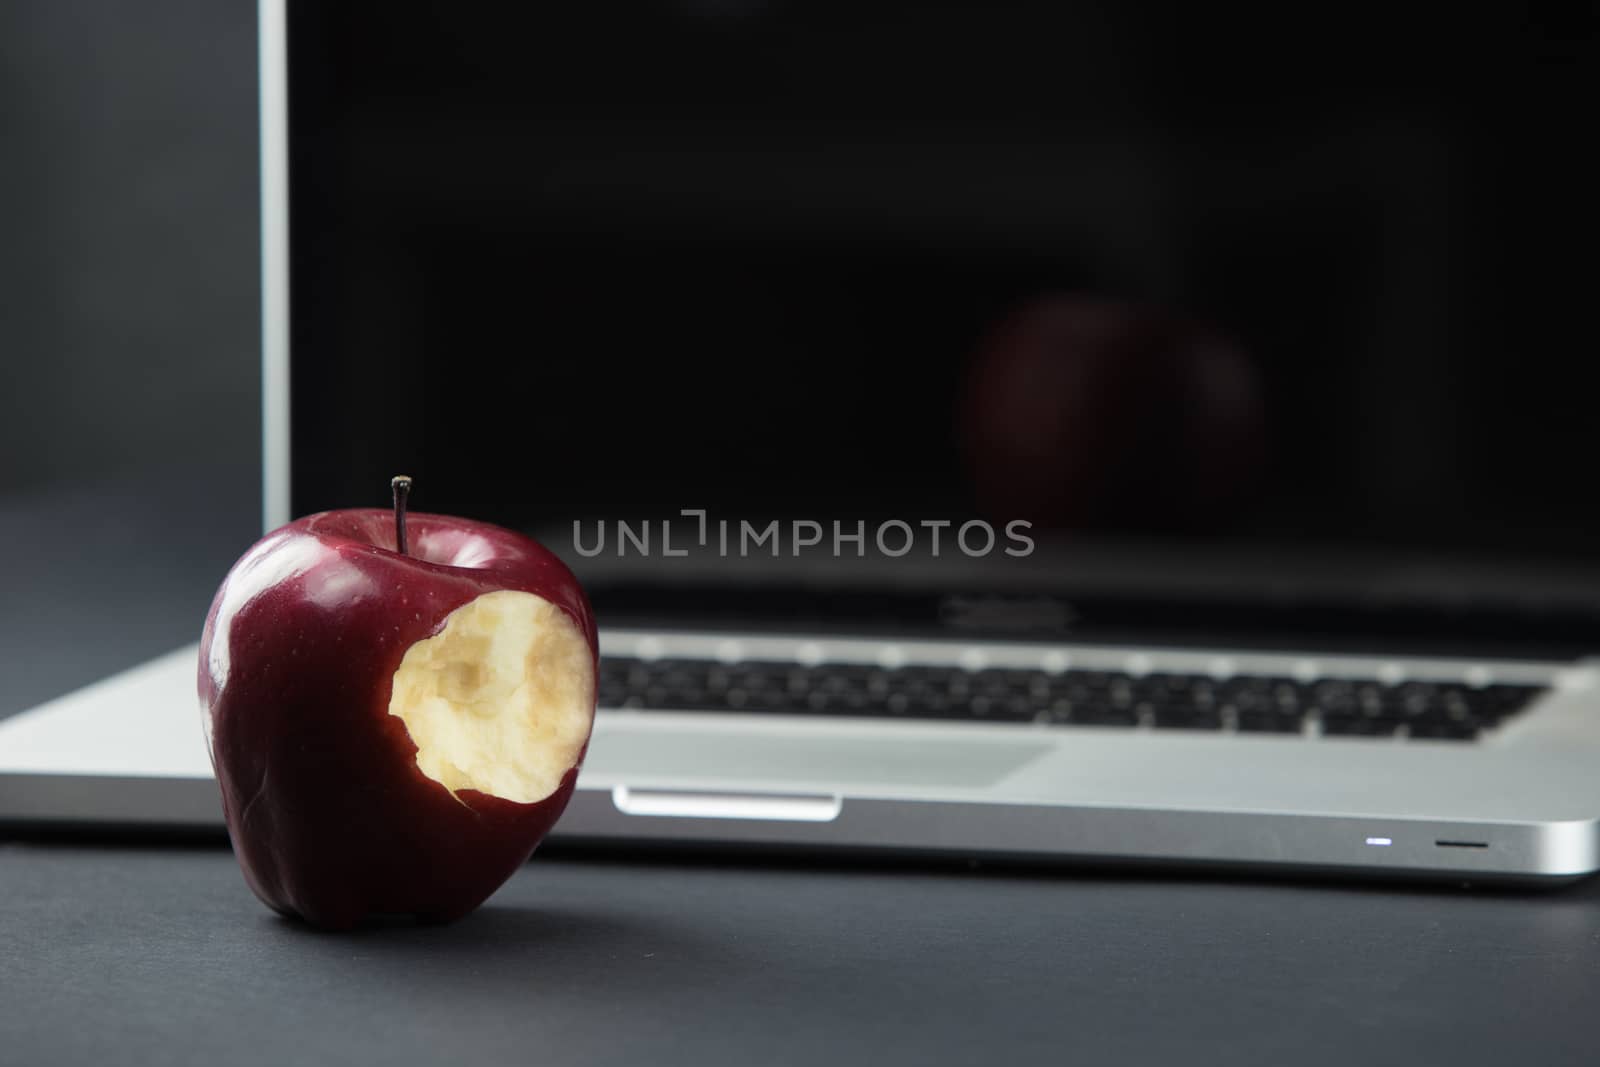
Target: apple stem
<point>401,485</point>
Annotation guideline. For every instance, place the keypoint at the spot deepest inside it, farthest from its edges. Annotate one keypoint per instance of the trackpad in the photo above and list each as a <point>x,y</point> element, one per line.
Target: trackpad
<point>635,756</point>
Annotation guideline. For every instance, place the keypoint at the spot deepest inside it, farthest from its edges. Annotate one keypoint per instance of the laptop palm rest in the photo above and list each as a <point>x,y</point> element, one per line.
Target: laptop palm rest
<point>636,755</point>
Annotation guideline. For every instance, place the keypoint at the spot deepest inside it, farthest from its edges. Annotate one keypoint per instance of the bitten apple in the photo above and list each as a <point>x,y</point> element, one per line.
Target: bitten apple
<point>396,709</point>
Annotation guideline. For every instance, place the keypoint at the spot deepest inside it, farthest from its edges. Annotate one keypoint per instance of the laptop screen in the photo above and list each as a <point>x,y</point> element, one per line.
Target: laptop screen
<point>1027,320</point>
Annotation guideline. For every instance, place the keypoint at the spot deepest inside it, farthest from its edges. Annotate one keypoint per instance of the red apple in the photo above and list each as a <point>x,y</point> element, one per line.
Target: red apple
<point>394,731</point>
<point>1083,413</point>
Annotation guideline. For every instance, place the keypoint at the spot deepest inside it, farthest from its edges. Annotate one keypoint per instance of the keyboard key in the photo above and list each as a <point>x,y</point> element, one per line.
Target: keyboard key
<point>1103,715</point>
<point>1272,722</point>
<point>1334,695</point>
<point>1186,717</point>
<point>1509,699</point>
<point>1444,731</point>
<point>1357,725</point>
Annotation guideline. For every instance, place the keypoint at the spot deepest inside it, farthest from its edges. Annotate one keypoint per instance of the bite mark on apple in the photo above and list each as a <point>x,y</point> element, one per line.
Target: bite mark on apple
<point>500,699</point>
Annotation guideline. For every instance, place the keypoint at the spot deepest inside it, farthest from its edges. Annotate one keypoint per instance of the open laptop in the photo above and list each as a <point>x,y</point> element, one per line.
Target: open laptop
<point>1003,432</point>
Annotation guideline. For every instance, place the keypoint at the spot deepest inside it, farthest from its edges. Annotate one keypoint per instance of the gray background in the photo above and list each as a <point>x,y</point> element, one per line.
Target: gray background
<point>129,388</point>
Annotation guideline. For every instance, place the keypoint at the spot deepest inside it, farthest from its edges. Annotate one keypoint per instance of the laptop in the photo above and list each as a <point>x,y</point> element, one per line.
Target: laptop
<point>1001,433</point>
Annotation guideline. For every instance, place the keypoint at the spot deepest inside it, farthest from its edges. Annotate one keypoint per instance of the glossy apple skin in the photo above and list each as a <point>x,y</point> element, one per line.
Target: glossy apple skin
<point>330,817</point>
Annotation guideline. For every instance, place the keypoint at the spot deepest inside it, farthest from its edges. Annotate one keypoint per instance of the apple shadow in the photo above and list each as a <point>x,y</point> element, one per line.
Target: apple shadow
<point>554,952</point>
<point>509,930</point>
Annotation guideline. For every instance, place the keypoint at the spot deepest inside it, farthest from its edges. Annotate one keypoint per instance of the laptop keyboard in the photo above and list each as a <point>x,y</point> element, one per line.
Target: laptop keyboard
<point>1166,701</point>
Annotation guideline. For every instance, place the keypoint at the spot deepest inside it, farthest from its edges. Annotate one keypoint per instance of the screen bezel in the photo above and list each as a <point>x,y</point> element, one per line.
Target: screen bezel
<point>273,41</point>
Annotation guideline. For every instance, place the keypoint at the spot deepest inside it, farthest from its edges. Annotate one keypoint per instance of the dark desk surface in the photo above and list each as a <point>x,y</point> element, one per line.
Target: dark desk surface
<point>128,955</point>
<point>160,955</point>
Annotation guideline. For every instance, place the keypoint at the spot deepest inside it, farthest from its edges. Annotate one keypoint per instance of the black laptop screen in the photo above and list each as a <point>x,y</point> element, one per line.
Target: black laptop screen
<point>1228,315</point>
